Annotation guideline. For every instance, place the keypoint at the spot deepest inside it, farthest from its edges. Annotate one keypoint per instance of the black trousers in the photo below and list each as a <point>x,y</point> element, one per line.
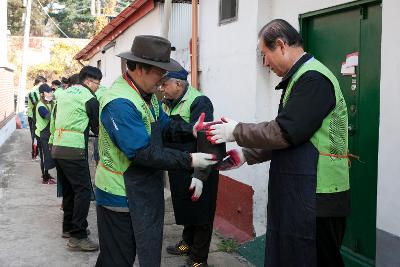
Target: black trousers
<point>32,131</point>
<point>198,237</point>
<point>76,189</point>
<point>330,233</point>
<point>39,150</point>
<point>116,238</point>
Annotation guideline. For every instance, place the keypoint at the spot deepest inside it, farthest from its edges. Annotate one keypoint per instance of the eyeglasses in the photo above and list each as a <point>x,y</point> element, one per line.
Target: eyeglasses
<point>160,71</point>
<point>95,82</point>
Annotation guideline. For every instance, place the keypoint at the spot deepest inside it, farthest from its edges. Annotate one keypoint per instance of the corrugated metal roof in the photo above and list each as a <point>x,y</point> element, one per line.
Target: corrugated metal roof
<point>117,26</point>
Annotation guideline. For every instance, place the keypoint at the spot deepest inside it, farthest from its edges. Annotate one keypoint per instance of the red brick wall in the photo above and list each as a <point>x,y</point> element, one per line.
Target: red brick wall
<point>6,94</point>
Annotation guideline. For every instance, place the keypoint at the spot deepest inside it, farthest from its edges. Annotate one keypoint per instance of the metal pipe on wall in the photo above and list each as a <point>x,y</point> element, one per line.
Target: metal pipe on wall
<point>194,66</point>
<point>24,64</point>
<point>166,18</point>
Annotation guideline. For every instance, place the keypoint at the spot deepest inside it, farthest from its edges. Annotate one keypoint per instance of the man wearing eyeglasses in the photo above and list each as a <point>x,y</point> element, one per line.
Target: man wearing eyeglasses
<point>76,112</point>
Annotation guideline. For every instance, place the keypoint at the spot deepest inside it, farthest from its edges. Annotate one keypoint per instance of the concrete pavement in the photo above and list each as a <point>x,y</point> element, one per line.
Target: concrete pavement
<point>30,218</point>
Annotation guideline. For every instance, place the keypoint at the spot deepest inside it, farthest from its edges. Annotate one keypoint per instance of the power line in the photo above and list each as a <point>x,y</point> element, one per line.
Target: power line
<point>52,20</point>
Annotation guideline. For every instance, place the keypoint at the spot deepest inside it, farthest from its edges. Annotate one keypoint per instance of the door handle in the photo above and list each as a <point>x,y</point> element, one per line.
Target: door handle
<point>351,130</point>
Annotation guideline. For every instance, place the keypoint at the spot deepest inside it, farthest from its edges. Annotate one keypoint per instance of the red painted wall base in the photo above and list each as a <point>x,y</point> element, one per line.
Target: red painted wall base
<point>234,214</point>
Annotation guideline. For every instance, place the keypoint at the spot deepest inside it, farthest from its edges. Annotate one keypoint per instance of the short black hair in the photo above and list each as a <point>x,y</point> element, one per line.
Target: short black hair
<point>64,80</point>
<point>73,79</point>
<point>39,79</point>
<point>90,72</point>
<point>56,82</point>
<point>280,29</point>
<point>44,88</point>
<point>132,65</point>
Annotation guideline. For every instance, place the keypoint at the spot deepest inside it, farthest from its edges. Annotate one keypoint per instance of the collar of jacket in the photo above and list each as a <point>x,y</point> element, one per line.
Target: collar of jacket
<point>285,80</point>
<point>84,85</point>
<point>146,97</point>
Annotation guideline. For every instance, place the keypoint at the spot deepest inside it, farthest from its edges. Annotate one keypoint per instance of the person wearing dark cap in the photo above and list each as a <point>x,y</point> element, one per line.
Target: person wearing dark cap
<point>42,131</point>
<point>33,98</point>
<point>76,112</point>
<point>195,212</point>
<point>133,127</point>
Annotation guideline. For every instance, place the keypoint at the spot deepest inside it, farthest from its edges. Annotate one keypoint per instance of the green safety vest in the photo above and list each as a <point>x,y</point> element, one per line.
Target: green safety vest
<point>52,125</point>
<point>331,140</point>
<point>71,119</point>
<point>113,162</point>
<point>183,107</point>
<point>41,123</point>
<point>34,94</point>
<point>57,93</point>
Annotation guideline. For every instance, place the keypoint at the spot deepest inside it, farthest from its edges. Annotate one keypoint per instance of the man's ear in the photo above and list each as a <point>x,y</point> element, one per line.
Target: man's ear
<point>280,44</point>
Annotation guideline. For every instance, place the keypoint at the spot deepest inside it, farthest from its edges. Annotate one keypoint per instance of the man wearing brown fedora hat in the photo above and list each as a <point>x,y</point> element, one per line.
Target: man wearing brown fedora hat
<point>129,178</point>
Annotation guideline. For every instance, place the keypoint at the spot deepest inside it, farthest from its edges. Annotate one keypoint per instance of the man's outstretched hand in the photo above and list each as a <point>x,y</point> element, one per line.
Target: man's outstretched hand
<point>200,125</point>
<point>222,132</point>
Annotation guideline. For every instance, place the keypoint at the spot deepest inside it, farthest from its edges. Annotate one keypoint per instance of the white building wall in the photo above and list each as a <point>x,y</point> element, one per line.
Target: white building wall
<point>7,130</point>
<point>388,215</point>
<point>228,65</point>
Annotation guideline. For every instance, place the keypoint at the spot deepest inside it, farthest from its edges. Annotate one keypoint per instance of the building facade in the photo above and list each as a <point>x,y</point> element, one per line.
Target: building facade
<point>232,76</point>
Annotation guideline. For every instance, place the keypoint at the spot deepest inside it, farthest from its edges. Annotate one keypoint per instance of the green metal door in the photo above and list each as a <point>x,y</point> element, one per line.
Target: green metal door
<point>330,35</point>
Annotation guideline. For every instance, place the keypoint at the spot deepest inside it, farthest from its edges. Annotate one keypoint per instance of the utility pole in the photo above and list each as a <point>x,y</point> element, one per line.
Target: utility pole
<point>24,65</point>
<point>93,8</point>
<point>98,8</point>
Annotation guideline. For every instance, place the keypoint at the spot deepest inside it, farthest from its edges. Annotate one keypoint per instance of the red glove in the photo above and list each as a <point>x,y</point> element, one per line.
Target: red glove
<point>234,160</point>
<point>200,125</point>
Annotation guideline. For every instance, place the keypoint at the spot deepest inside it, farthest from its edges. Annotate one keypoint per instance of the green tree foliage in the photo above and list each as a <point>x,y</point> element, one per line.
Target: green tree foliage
<point>15,11</point>
<point>61,63</point>
<point>74,18</point>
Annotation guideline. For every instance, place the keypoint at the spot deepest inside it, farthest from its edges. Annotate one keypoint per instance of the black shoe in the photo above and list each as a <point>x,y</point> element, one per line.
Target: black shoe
<point>68,234</point>
<point>191,263</point>
<point>182,248</point>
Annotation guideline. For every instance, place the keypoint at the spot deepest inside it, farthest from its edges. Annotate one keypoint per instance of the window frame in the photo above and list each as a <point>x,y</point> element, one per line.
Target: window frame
<point>229,20</point>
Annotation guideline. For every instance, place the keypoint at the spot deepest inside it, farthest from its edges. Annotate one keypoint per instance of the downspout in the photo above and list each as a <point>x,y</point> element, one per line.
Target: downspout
<point>194,67</point>
<point>167,18</point>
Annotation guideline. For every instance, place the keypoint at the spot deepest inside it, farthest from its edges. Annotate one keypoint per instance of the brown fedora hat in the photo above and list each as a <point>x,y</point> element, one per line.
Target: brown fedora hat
<point>152,50</point>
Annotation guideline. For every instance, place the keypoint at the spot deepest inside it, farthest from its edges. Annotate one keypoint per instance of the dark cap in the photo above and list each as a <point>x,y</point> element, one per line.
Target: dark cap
<point>180,75</point>
<point>45,88</point>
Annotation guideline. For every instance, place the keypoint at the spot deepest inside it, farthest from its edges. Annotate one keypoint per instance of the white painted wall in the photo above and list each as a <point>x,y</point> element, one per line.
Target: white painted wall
<point>388,215</point>
<point>7,130</point>
<point>229,77</point>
